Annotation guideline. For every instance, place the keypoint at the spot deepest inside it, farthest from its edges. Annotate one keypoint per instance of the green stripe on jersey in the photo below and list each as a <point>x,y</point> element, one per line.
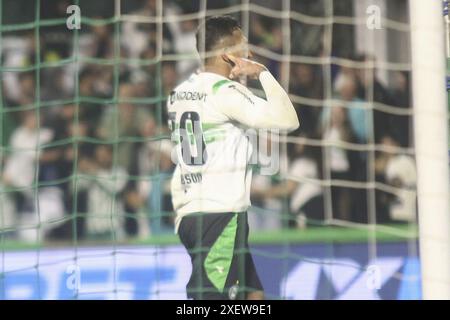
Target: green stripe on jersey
<point>219,83</point>
<point>208,126</point>
<point>218,261</point>
<point>214,136</point>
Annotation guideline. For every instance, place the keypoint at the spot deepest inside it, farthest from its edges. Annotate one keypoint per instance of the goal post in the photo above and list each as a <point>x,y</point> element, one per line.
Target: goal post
<point>431,145</point>
<point>347,231</point>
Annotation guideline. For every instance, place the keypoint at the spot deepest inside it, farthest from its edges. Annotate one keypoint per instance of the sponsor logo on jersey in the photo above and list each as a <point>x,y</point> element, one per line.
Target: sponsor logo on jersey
<point>186,95</point>
<point>241,92</point>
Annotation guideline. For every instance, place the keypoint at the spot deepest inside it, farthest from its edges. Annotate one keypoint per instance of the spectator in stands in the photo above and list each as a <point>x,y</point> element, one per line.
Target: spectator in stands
<point>99,43</point>
<point>401,173</point>
<point>9,217</point>
<point>122,121</point>
<point>103,181</point>
<point>368,81</point>
<point>21,162</point>
<point>169,77</point>
<point>58,37</point>
<point>143,165</point>
<point>302,186</point>
<point>140,34</point>
<point>396,170</point>
<point>59,166</point>
<point>401,90</point>
<point>18,52</point>
<point>146,78</point>
<point>360,117</point>
<point>265,32</point>
<point>361,122</point>
<point>55,166</point>
<point>27,88</point>
<point>103,86</point>
<point>183,41</point>
<point>94,83</point>
<point>21,168</point>
<point>260,34</point>
<point>55,84</point>
<point>160,199</point>
<point>401,93</point>
<point>266,213</point>
<point>306,82</point>
<point>335,131</point>
<point>371,89</point>
<point>24,89</point>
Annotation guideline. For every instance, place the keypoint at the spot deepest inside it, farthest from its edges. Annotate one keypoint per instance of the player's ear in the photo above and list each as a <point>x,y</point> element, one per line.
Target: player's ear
<point>227,59</point>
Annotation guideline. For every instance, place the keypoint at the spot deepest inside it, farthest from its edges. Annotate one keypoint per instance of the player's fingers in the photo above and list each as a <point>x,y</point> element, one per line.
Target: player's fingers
<point>236,71</point>
<point>240,62</point>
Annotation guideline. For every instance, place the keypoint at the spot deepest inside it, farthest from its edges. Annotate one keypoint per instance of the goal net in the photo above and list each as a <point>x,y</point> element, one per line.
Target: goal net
<point>85,165</point>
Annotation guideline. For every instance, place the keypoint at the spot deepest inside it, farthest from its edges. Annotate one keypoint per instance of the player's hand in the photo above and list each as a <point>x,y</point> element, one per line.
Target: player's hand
<point>245,67</point>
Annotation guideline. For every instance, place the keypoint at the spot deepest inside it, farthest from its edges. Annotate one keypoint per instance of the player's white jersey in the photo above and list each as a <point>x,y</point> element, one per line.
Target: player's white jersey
<point>208,115</point>
<point>212,173</point>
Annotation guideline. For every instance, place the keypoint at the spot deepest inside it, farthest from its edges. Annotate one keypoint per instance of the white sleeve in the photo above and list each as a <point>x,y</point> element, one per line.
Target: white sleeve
<point>239,104</point>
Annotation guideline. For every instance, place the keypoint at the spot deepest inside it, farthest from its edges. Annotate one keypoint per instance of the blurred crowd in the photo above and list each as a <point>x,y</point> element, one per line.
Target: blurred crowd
<point>86,147</point>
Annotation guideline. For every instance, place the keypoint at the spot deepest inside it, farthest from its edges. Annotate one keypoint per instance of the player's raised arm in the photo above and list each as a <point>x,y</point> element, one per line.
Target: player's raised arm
<point>277,112</point>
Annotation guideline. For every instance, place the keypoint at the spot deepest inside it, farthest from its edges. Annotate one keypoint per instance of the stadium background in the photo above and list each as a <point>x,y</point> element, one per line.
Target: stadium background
<point>84,162</point>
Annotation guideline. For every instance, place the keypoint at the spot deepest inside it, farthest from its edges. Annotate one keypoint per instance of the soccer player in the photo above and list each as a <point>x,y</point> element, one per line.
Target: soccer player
<point>208,115</point>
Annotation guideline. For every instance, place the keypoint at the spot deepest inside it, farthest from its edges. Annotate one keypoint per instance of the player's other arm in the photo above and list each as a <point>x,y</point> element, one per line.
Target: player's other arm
<point>277,112</point>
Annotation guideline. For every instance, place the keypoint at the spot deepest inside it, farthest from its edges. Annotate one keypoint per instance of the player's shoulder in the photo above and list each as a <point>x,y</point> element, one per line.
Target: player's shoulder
<point>224,85</point>
<point>189,89</point>
<point>226,88</point>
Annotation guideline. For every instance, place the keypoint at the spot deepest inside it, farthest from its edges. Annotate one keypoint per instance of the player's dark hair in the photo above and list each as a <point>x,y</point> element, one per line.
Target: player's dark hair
<point>215,28</point>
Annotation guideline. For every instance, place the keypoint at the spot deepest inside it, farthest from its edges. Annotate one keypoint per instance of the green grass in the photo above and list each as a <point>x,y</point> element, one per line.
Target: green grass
<point>292,236</point>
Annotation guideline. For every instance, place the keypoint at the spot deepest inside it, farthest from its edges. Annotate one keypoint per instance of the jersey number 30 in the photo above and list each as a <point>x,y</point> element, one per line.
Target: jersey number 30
<point>193,146</point>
